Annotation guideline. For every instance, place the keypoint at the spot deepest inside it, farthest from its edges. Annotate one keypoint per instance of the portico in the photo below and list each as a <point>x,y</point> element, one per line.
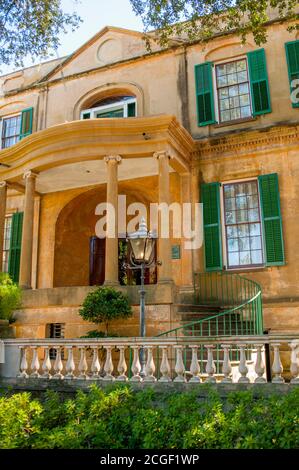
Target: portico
<point>79,157</point>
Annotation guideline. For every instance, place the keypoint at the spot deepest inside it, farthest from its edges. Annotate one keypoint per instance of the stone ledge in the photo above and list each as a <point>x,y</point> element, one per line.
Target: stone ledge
<point>71,386</point>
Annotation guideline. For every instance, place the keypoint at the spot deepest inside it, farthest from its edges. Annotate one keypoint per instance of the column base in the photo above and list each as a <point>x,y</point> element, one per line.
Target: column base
<point>25,287</point>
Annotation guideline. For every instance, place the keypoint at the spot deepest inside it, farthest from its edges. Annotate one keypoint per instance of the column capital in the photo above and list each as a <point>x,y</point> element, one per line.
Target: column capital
<point>112,159</point>
<point>162,154</point>
<point>3,184</point>
<point>29,174</point>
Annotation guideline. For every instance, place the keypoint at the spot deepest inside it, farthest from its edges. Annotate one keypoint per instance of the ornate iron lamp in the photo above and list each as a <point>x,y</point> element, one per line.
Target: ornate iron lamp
<point>142,256</point>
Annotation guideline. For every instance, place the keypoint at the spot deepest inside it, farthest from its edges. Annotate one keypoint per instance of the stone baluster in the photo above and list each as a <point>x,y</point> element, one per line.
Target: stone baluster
<point>108,367</point>
<point>136,366</point>
<point>58,366</point>
<point>35,363</point>
<point>259,365</point>
<point>83,364</point>
<point>47,366</point>
<point>150,367</point>
<point>226,368</point>
<point>210,367</point>
<point>194,366</point>
<point>243,369</point>
<point>165,367</point>
<point>70,364</point>
<point>179,366</point>
<point>294,369</point>
<point>277,368</point>
<point>122,365</point>
<point>95,365</point>
<point>23,363</point>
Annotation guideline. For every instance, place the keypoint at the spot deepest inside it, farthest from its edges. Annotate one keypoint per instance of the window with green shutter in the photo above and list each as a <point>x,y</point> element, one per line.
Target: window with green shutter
<point>259,83</point>
<point>204,94</point>
<point>15,246</point>
<point>292,53</point>
<point>26,122</point>
<point>271,216</point>
<point>210,197</point>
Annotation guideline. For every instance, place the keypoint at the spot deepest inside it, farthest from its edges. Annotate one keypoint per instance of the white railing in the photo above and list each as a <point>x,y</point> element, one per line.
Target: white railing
<point>194,360</point>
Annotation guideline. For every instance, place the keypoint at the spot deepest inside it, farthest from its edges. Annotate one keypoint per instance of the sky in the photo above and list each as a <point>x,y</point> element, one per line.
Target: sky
<point>95,15</point>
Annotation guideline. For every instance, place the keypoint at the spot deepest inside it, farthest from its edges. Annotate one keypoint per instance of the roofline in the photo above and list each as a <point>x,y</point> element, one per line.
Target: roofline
<point>32,66</point>
<point>88,43</point>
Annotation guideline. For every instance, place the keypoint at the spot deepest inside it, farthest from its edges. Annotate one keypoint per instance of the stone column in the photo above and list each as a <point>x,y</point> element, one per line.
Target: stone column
<point>3,194</point>
<point>111,254</point>
<point>27,233</point>
<point>164,244</point>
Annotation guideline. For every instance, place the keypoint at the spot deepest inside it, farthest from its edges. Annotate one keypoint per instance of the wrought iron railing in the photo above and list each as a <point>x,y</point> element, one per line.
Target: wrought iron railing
<point>238,302</point>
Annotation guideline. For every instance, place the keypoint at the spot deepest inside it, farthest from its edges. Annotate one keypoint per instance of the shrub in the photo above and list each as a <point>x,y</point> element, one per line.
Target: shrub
<point>105,304</point>
<point>10,297</point>
<point>121,418</point>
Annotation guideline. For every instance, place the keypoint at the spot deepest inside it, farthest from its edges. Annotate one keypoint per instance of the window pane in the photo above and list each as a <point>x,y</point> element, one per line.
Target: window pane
<point>233,259</point>
<point>11,131</point>
<point>257,257</point>
<point>245,258</point>
<point>225,115</point>
<point>255,229</point>
<point>233,244</point>
<point>230,217</point>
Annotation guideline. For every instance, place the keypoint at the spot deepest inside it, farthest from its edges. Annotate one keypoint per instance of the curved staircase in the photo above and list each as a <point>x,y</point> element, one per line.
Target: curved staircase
<point>223,304</point>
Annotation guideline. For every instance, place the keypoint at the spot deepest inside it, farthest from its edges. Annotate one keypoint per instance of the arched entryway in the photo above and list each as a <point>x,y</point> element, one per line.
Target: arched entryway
<point>79,258</point>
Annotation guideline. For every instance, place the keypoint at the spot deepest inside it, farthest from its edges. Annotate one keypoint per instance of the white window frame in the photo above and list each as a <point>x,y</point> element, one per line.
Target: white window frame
<point>1,125</point>
<point>223,231</point>
<point>215,90</point>
<point>110,107</point>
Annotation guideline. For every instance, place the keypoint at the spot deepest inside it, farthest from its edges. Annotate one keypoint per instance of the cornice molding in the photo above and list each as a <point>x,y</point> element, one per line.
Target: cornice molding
<point>247,142</point>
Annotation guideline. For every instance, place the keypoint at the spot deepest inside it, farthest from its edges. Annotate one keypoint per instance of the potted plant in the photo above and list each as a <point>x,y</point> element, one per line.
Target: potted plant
<point>104,305</point>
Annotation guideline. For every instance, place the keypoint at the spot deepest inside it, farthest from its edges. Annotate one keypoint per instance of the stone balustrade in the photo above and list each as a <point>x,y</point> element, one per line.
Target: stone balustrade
<point>193,360</point>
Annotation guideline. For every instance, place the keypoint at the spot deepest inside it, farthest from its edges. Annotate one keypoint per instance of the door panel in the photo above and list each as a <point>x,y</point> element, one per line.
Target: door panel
<point>97,261</point>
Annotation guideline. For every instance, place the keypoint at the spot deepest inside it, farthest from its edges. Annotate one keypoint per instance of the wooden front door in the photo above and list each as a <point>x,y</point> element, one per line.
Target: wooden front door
<point>97,261</point>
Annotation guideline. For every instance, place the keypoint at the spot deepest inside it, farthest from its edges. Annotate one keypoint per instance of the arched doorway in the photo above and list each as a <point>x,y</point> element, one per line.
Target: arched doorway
<point>79,258</point>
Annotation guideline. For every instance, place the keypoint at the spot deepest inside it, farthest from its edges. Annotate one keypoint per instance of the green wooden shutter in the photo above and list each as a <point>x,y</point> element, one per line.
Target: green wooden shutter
<point>259,83</point>
<point>131,109</point>
<point>204,94</point>
<point>210,197</point>
<point>15,246</point>
<point>271,217</point>
<point>292,52</point>
<point>26,123</point>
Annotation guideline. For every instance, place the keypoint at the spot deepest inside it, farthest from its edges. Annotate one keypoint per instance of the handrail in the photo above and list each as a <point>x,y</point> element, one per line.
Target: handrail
<point>244,318</point>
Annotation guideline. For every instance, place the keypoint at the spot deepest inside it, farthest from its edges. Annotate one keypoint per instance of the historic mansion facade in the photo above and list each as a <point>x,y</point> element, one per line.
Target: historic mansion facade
<point>211,123</point>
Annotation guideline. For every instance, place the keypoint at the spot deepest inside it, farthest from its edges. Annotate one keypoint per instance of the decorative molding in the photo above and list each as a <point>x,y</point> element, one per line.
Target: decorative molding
<point>3,184</point>
<point>162,153</point>
<point>113,158</point>
<point>29,174</point>
<point>247,142</point>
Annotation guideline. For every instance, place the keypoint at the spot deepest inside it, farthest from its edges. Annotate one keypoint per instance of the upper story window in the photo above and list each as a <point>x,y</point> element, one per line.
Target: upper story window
<point>229,92</point>
<point>232,82</point>
<point>114,107</point>
<point>16,127</point>
<point>11,128</point>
